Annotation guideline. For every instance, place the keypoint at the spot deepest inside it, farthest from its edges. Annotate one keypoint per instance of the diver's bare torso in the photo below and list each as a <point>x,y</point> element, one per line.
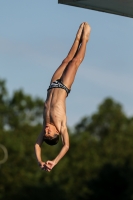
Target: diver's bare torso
<point>55,108</point>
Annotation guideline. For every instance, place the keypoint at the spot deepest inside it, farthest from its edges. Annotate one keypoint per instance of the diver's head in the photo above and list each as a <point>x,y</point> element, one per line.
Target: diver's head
<point>51,135</point>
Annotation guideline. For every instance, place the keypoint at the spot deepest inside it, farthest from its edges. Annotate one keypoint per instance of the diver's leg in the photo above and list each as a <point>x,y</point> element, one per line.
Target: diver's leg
<point>70,71</point>
<point>58,73</point>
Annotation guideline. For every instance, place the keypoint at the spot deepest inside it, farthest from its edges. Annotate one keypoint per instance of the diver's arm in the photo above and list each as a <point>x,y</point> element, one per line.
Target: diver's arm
<point>38,148</point>
<point>65,148</point>
<point>65,141</point>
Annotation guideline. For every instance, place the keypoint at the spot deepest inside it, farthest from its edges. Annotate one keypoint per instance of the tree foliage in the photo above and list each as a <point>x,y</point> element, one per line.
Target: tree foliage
<point>99,164</point>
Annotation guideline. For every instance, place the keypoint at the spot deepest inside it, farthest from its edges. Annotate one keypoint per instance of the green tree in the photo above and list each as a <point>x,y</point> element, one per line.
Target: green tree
<point>99,164</point>
<point>3,104</point>
<point>109,119</point>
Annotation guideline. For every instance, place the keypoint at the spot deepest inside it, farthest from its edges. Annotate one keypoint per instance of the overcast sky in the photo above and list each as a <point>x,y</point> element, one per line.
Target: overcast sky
<point>35,36</point>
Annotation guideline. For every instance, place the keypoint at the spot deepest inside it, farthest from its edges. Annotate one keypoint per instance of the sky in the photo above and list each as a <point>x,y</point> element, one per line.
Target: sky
<point>35,36</point>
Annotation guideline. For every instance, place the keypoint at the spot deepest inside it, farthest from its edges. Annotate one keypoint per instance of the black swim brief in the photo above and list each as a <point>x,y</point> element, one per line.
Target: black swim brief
<point>59,84</point>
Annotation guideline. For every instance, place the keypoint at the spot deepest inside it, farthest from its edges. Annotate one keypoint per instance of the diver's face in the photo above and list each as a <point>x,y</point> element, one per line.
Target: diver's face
<point>49,131</point>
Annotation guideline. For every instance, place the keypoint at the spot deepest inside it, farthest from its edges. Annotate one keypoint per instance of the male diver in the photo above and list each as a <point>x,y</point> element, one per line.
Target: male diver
<point>54,114</point>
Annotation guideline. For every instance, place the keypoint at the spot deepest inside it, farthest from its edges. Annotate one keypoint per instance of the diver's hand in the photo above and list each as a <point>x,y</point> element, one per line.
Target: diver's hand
<point>50,164</point>
<point>43,166</point>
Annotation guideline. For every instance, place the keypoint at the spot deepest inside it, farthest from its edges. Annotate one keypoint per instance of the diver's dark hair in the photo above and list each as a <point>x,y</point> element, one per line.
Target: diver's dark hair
<point>52,141</point>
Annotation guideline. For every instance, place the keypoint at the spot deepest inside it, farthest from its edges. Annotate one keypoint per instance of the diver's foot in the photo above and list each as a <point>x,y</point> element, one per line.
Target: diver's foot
<point>79,32</point>
<point>86,32</point>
